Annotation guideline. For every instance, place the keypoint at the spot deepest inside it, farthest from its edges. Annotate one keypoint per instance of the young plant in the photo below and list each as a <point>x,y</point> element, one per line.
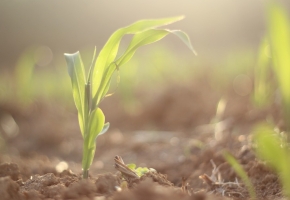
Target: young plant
<point>273,147</point>
<point>89,91</point>
<point>278,39</point>
<point>279,34</point>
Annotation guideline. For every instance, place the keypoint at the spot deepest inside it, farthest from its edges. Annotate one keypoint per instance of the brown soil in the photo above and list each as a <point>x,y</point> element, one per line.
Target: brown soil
<point>173,134</point>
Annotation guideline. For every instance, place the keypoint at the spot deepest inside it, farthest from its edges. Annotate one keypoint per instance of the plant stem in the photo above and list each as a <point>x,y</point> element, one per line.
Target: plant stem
<point>85,162</point>
<point>88,156</point>
<point>85,173</point>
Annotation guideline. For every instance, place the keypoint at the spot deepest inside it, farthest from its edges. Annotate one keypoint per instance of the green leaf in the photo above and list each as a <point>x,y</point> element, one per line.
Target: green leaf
<point>184,37</point>
<point>24,74</point>
<point>96,124</point>
<point>263,87</point>
<point>109,51</point>
<point>139,39</point>
<point>105,128</point>
<point>131,166</point>
<point>148,37</point>
<point>76,72</point>
<point>88,156</point>
<point>140,171</point>
<point>92,65</point>
<point>279,29</point>
<point>269,146</point>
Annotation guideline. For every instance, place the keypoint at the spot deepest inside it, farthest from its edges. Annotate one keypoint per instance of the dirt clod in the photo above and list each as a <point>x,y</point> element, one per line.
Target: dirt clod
<point>9,189</point>
<point>83,189</point>
<point>107,183</point>
<point>38,182</point>
<point>10,169</point>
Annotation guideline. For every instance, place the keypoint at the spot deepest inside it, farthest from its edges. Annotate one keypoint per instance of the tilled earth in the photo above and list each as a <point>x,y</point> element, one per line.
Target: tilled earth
<point>177,133</point>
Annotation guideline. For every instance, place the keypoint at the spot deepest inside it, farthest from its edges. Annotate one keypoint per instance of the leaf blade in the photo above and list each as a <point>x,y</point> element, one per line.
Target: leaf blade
<point>279,31</point>
<point>96,124</point>
<point>105,128</point>
<point>109,51</point>
<point>77,75</point>
<point>185,39</point>
<point>140,39</point>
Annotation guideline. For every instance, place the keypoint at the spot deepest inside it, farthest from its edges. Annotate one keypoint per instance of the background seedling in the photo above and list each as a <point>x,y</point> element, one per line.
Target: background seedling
<point>273,145</point>
<point>279,34</point>
<point>89,91</point>
<point>277,43</point>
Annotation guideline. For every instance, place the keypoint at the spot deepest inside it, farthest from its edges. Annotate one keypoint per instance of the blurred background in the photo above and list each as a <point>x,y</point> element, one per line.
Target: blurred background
<point>215,27</point>
<point>225,33</point>
<point>164,87</point>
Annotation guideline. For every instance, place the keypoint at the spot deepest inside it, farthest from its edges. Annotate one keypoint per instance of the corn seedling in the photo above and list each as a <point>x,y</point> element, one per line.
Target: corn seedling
<point>89,91</point>
<point>263,84</point>
<point>278,37</point>
<point>273,146</point>
<point>279,32</point>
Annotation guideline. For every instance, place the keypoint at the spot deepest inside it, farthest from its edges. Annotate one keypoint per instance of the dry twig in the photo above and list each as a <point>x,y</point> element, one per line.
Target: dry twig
<point>128,174</point>
<point>216,185</point>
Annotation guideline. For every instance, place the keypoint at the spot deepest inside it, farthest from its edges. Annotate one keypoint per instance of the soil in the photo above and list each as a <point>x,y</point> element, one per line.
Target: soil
<point>177,133</point>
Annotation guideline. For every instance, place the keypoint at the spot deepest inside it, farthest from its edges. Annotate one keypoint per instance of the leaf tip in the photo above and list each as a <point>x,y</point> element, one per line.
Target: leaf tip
<point>182,16</point>
<point>70,54</point>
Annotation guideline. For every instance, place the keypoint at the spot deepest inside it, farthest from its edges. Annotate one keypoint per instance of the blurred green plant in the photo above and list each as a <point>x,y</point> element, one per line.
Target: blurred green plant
<point>272,145</point>
<point>17,87</point>
<point>278,37</point>
<point>28,82</point>
<point>279,34</point>
<point>89,91</point>
<point>23,75</point>
<point>263,83</point>
<point>274,149</point>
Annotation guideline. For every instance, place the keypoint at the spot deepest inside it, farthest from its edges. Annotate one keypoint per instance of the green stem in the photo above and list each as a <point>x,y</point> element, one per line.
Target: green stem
<point>85,161</point>
<point>86,151</point>
<point>85,164</point>
<point>88,97</point>
<point>88,156</point>
<point>85,174</point>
